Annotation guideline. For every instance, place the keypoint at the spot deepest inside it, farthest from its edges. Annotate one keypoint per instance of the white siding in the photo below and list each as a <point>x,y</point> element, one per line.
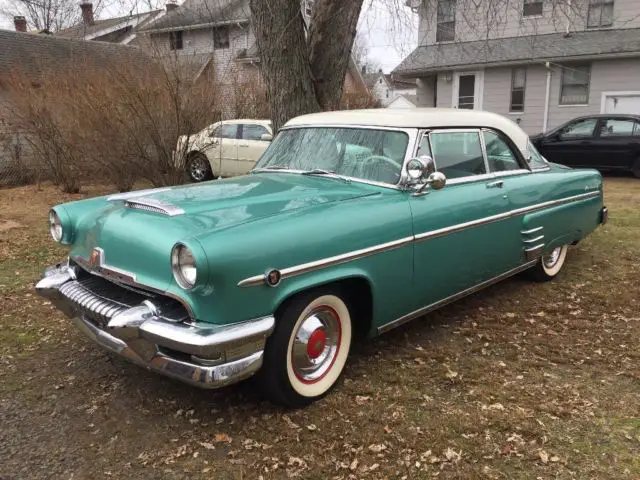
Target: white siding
<point>485,20</point>
<point>497,92</point>
<point>425,91</point>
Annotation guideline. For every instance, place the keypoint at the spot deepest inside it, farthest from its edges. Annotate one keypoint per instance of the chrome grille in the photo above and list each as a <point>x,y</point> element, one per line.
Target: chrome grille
<point>90,305</point>
<point>98,300</point>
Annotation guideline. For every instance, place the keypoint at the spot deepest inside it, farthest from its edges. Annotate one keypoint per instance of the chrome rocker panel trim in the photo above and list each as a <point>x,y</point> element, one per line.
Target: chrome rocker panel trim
<point>420,237</point>
<point>441,303</point>
<point>208,356</point>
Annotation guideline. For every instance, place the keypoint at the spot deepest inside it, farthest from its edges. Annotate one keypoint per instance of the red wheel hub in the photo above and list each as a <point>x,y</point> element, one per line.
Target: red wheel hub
<point>316,344</point>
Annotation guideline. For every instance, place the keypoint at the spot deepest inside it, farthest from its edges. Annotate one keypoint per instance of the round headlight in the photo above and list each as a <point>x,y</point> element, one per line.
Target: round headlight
<point>55,226</point>
<point>184,266</point>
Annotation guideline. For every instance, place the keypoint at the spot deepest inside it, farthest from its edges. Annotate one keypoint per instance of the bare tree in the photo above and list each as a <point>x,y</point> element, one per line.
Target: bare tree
<point>304,73</point>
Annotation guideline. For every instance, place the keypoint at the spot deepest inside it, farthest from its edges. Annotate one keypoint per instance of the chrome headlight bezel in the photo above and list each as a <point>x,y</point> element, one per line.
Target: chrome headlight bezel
<point>183,259</point>
<point>55,226</point>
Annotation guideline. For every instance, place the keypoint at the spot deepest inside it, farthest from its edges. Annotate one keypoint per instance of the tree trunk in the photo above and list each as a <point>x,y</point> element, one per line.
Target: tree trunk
<point>332,32</point>
<point>284,55</point>
<point>304,75</point>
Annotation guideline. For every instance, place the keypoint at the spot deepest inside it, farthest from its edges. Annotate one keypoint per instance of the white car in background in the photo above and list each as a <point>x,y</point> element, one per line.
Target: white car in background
<point>224,149</point>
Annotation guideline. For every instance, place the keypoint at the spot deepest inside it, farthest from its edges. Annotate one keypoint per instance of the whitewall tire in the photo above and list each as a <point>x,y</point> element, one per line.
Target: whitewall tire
<point>550,264</point>
<point>308,350</point>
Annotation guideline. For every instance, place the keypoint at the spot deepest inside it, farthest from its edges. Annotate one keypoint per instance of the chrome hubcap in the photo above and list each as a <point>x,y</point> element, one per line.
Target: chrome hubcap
<point>198,169</point>
<point>316,345</point>
<point>550,259</point>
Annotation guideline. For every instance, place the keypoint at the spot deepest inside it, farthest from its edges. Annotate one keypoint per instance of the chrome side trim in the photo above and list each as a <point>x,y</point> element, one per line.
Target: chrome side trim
<point>328,262</point>
<point>440,303</point>
<point>529,232</point>
<point>346,257</point>
<point>535,240</point>
<point>501,216</point>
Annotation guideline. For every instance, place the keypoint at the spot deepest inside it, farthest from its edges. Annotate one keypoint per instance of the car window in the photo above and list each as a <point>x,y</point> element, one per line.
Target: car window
<point>617,128</point>
<point>581,128</point>
<point>536,161</point>
<point>229,130</point>
<point>424,148</point>
<point>253,131</point>
<point>636,129</point>
<point>458,154</point>
<point>499,155</point>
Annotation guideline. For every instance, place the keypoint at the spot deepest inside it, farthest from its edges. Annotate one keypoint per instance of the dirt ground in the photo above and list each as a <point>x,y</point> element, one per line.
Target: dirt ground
<point>522,380</point>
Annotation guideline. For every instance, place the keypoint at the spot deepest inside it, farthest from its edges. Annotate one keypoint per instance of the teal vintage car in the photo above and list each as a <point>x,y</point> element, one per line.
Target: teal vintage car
<point>351,224</point>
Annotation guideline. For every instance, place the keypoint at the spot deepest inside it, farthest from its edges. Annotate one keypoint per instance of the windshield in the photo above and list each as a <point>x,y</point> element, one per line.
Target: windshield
<point>367,154</point>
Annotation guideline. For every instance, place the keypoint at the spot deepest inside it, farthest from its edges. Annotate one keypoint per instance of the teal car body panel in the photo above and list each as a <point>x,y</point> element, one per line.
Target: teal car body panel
<point>244,226</point>
<point>402,245</point>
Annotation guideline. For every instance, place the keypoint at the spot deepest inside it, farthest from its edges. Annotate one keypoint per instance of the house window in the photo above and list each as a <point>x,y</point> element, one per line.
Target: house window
<point>221,37</point>
<point>574,89</point>
<point>446,21</point>
<point>518,83</point>
<point>600,13</point>
<point>532,8</point>
<point>175,40</point>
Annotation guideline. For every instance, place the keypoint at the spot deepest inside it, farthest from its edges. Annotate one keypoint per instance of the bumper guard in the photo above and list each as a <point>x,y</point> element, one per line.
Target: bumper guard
<point>204,355</point>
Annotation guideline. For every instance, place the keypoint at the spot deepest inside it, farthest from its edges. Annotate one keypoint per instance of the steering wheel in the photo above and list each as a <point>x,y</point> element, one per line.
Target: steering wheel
<point>394,168</point>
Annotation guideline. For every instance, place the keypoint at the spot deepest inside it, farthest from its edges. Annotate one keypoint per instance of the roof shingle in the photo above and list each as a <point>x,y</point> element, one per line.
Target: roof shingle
<point>525,49</point>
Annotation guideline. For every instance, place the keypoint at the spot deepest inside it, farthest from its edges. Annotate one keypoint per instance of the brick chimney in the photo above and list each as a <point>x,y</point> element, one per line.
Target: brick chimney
<point>87,13</point>
<point>171,6</point>
<point>20,23</point>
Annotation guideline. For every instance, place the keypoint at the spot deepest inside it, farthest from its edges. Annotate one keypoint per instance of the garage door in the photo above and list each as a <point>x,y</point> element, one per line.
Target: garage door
<point>622,103</point>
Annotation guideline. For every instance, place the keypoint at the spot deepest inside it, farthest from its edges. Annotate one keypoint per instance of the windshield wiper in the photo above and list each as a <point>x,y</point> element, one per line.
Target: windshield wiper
<point>273,168</point>
<point>328,173</point>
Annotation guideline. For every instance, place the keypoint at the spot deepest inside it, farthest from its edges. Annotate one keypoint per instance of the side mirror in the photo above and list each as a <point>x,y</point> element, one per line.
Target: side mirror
<point>419,168</point>
<point>266,137</point>
<point>437,180</point>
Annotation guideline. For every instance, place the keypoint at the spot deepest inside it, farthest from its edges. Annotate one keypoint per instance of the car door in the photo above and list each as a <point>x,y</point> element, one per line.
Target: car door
<point>228,138</point>
<point>572,145</point>
<point>614,144</point>
<point>459,242</point>
<point>251,146</point>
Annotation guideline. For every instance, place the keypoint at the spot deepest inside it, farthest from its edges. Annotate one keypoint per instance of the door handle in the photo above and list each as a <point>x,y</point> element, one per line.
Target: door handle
<point>586,142</point>
<point>243,144</point>
<point>496,184</point>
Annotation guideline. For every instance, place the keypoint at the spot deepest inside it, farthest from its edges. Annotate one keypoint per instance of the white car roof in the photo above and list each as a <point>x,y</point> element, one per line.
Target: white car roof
<point>417,118</point>
<point>245,120</point>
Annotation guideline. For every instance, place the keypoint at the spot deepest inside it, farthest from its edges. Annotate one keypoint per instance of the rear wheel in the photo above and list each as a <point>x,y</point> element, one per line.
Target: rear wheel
<point>308,350</point>
<point>198,167</point>
<point>550,264</point>
<point>636,168</point>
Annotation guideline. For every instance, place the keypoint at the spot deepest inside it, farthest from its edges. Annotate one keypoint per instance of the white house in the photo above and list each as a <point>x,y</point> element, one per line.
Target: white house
<point>541,62</point>
<point>385,88</point>
<point>404,101</point>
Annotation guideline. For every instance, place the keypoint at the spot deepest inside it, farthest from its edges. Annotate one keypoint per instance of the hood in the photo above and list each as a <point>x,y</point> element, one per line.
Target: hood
<point>137,230</point>
<point>229,202</point>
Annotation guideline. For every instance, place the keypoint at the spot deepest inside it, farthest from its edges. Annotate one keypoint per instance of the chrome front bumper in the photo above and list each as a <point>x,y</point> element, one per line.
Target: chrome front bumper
<point>150,333</point>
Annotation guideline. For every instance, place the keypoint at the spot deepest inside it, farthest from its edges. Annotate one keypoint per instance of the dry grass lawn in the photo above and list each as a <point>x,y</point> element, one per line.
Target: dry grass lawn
<point>522,380</point>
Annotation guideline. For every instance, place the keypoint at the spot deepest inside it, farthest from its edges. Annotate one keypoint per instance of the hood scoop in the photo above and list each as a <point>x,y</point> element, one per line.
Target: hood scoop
<point>139,201</point>
<point>153,205</point>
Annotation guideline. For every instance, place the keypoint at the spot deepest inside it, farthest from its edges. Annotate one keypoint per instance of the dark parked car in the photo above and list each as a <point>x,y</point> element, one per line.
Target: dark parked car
<point>605,142</point>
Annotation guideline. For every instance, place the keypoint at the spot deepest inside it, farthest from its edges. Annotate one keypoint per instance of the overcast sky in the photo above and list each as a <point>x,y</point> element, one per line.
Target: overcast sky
<point>388,28</point>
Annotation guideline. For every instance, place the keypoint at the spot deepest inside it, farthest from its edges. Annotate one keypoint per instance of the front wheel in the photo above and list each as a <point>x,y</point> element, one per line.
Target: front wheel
<point>198,168</point>
<point>550,264</point>
<point>307,352</point>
